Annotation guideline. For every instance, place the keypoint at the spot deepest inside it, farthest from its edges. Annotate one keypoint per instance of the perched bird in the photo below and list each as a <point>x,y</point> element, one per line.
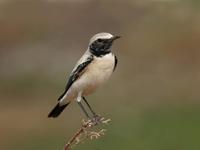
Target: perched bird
<point>94,68</point>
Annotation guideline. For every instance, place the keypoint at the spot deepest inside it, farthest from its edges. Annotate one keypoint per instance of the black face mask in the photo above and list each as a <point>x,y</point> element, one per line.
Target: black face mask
<point>100,47</point>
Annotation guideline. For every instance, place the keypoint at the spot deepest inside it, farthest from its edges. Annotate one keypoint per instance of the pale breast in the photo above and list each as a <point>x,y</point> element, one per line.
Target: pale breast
<point>94,75</point>
<point>98,72</point>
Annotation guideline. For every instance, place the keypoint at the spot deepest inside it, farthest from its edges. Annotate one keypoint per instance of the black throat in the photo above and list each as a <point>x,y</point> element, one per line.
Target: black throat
<point>100,49</point>
<point>98,53</point>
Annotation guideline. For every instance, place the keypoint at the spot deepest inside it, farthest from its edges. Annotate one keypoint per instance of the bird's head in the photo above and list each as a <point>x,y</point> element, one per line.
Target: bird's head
<point>101,43</point>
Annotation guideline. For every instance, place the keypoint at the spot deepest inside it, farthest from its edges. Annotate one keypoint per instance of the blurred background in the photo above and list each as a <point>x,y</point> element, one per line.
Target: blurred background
<point>153,97</point>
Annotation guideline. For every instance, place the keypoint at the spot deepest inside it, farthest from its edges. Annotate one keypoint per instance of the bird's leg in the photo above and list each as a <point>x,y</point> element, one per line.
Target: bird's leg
<point>82,107</point>
<point>94,114</point>
<point>96,117</point>
<point>79,98</point>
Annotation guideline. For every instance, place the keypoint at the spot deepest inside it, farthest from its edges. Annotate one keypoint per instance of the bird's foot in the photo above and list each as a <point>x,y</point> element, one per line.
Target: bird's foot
<point>96,119</point>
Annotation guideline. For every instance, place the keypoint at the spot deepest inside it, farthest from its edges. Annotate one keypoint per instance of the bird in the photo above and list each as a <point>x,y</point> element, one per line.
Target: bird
<point>90,72</point>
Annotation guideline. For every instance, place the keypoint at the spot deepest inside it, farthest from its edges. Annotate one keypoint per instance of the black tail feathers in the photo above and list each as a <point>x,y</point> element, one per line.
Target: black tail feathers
<point>56,111</point>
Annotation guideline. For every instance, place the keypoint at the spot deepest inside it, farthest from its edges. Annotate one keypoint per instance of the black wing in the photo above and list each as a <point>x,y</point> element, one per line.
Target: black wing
<point>115,63</point>
<point>76,74</point>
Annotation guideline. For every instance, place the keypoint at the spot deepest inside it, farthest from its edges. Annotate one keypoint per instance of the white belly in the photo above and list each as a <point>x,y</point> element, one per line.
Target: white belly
<point>96,73</point>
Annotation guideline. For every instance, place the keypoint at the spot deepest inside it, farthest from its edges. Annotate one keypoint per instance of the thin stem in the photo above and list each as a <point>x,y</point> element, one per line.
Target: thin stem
<point>76,135</point>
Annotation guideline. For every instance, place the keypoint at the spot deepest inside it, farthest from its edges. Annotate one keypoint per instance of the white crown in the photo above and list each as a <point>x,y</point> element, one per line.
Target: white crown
<point>102,35</point>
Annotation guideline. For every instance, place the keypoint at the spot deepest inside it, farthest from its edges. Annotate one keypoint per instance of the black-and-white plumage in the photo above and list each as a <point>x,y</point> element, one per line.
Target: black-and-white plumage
<point>94,68</point>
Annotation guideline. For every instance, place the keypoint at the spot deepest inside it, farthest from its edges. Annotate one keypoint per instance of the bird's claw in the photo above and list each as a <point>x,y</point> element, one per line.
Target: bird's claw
<point>96,120</point>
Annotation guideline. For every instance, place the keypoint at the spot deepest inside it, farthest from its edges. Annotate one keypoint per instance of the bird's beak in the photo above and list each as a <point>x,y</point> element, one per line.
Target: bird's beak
<point>115,37</point>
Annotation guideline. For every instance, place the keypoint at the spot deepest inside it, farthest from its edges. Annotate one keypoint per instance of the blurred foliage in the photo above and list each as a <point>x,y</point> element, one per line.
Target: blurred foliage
<point>152,98</point>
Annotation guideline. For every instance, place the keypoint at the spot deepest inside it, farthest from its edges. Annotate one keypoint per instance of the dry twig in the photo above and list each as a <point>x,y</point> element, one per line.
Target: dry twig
<point>85,132</point>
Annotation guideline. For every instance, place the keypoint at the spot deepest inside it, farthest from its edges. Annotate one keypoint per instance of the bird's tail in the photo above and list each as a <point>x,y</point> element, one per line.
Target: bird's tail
<point>56,111</point>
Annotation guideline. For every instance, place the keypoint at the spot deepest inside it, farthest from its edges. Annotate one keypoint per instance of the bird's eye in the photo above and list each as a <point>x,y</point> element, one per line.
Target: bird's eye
<point>100,40</point>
